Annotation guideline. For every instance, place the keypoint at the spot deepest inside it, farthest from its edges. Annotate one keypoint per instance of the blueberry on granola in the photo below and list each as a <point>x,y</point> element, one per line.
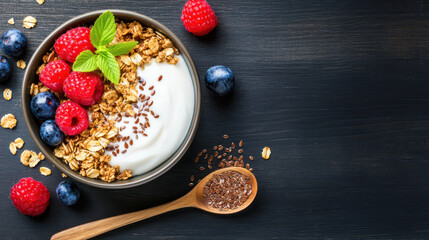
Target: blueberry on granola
<point>51,133</point>
<point>44,106</point>
<point>13,42</point>
<point>220,80</point>
<point>5,68</point>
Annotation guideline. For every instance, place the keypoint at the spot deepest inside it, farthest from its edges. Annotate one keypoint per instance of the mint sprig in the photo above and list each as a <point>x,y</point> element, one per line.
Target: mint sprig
<point>103,33</point>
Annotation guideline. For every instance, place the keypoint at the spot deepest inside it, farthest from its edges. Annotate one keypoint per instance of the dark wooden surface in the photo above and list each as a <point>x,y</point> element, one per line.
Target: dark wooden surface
<point>338,90</point>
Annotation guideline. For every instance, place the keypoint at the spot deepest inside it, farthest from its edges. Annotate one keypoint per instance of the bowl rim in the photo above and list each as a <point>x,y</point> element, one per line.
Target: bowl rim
<point>58,163</point>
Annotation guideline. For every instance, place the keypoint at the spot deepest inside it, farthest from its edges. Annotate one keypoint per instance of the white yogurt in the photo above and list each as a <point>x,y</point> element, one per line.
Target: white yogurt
<point>173,105</point>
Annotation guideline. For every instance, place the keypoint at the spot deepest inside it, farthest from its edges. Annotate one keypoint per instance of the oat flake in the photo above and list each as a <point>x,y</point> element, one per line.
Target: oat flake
<point>21,64</point>
<point>40,2</point>
<point>7,94</point>
<point>45,171</point>
<point>11,21</point>
<point>12,148</point>
<point>29,22</point>
<point>19,143</point>
<point>266,152</point>
<point>8,121</point>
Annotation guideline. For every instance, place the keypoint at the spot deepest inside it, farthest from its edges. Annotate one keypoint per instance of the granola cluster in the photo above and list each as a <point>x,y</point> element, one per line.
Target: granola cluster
<point>85,153</point>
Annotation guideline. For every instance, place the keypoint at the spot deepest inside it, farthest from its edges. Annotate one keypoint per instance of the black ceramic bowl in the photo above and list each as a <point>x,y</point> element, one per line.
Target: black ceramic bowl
<point>33,125</point>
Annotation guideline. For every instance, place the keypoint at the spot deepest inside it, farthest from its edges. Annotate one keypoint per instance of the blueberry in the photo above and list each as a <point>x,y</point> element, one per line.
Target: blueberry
<point>13,42</point>
<point>68,192</point>
<point>5,69</point>
<point>51,133</point>
<point>220,80</point>
<point>44,105</point>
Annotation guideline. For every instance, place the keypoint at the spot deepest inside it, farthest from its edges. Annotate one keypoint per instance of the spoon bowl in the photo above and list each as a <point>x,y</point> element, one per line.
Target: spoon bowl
<point>201,201</point>
<point>195,198</point>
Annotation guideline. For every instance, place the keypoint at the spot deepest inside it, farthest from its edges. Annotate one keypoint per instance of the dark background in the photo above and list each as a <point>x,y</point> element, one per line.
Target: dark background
<point>337,89</point>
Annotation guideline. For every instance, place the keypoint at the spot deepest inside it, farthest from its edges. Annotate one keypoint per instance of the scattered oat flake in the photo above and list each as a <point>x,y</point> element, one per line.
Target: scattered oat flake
<point>63,175</point>
<point>19,142</point>
<point>266,152</point>
<point>8,121</point>
<point>25,157</point>
<point>7,94</point>
<point>45,171</point>
<point>41,156</point>
<point>11,21</point>
<point>29,22</point>
<point>12,148</point>
<point>21,64</point>
<point>40,2</point>
<point>33,161</point>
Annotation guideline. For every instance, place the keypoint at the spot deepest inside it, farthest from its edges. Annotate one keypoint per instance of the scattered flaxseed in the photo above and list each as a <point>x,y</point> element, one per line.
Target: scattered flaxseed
<point>29,22</point>
<point>45,171</point>
<point>191,184</point>
<point>233,145</point>
<point>240,144</point>
<point>11,21</point>
<point>228,190</point>
<point>251,158</point>
<point>202,168</point>
<point>266,152</point>
<point>192,178</point>
<point>8,121</point>
<point>225,136</point>
<point>196,159</point>
<point>240,150</point>
<point>21,64</point>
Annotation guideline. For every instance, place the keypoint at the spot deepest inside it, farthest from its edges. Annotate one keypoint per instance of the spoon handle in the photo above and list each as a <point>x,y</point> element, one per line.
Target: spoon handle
<point>95,228</point>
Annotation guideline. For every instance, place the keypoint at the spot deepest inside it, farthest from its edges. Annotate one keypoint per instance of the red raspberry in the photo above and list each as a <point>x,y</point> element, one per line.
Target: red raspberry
<point>30,197</point>
<point>69,45</point>
<point>83,88</point>
<point>54,74</point>
<point>198,17</point>
<point>71,118</point>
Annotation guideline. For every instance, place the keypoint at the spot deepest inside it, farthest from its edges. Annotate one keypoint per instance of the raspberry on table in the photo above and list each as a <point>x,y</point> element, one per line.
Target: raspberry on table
<point>30,197</point>
<point>69,45</point>
<point>54,74</point>
<point>71,118</point>
<point>198,17</point>
<point>85,88</point>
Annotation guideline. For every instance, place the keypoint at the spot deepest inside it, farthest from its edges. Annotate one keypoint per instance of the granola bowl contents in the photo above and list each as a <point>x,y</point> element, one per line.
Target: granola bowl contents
<point>140,126</point>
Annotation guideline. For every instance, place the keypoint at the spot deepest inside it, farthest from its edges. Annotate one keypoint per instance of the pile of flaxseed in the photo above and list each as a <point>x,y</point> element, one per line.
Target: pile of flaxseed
<point>228,190</point>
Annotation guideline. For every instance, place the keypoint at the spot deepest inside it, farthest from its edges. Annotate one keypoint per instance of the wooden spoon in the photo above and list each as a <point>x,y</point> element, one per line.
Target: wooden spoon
<point>195,198</point>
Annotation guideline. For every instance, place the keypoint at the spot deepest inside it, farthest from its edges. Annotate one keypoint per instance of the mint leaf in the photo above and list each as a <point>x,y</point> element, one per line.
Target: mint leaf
<point>85,62</point>
<point>109,66</point>
<point>121,48</point>
<point>104,29</point>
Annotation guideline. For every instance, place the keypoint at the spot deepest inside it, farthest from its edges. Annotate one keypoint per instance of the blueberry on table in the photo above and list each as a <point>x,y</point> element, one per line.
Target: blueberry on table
<point>44,106</point>
<point>51,134</point>
<point>5,68</point>
<point>68,192</point>
<point>13,42</point>
<point>220,80</point>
